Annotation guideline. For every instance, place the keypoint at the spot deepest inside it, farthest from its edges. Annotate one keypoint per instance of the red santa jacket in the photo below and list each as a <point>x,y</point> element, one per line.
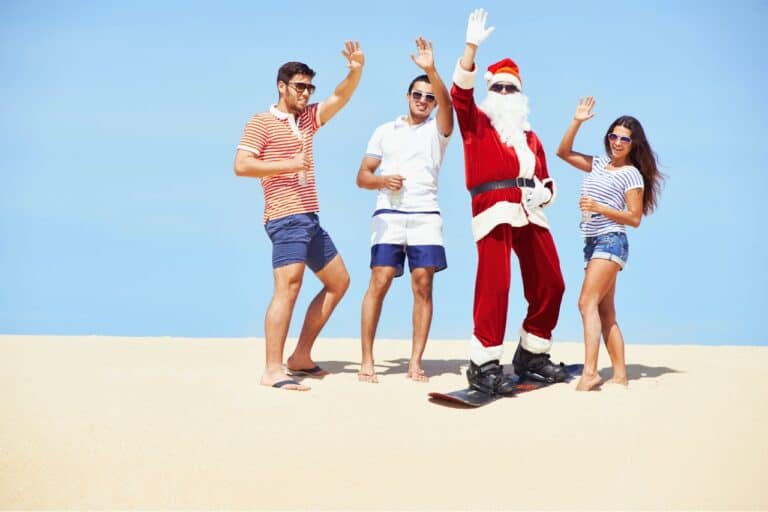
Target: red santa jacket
<point>487,158</point>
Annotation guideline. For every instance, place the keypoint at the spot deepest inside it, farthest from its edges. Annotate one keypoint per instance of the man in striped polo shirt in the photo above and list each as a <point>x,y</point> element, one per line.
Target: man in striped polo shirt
<point>276,147</point>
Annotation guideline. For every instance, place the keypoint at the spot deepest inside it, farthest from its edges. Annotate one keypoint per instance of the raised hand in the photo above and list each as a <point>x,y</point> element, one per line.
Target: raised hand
<point>584,109</point>
<point>424,58</point>
<point>353,54</point>
<point>476,31</point>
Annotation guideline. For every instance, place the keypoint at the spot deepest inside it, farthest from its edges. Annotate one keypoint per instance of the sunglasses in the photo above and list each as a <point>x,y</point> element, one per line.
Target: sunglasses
<point>418,95</point>
<point>623,138</point>
<point>302,86</point>
<point>504,88</point>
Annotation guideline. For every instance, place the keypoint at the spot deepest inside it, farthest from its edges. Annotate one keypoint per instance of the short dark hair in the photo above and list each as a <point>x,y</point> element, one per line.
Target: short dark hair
<point>420,78</point>
<point>289,69</point>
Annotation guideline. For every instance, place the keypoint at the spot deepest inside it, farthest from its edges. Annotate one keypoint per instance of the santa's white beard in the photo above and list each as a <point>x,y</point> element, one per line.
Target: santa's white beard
<point>508,114</point>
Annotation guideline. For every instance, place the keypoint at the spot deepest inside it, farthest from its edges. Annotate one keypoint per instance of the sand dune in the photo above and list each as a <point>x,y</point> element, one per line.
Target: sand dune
<point>160,423</point>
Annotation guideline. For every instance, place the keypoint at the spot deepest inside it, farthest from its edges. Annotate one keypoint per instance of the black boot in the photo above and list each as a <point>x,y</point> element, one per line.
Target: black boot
<point>490,378</point>
<point>537,367</point>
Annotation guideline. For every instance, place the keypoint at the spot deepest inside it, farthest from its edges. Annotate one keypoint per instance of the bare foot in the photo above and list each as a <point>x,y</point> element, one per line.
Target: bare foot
<point>304,367</point>
<point>417,375</point>
<point>588,382</point>
<point>370,378</point>
<point>367,374</point>
<point>282,381</point>
<point>618,381</point>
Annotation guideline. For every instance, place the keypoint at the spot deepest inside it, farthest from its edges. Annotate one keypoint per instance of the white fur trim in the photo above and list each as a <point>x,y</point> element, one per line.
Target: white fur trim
<point>553,188</point>
<point>463,78</point>
<point>480,354</point>
<point>502,77</point>
<point>538,217</point>
<point>502,212</point>
<point>533,343</point>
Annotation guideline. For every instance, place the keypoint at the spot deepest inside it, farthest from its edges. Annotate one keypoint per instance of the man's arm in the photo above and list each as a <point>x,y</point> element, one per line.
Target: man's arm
<point>467,61</point>
<point>343,92</point>
<point>476,34</point>
<point>426,61</point>
<point>465,71</point>
<point>249,165</point>
<point>366,177</point>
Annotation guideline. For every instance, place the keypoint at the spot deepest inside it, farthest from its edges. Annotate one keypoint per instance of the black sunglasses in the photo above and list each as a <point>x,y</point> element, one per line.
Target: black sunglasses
<point>417,95</point>
<point>302,86</point>
<point>504,88</point>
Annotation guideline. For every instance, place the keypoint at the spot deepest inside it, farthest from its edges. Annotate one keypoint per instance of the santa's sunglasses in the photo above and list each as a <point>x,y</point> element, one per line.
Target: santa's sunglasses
<point>418,95</point>
<point>623,138</point>
<point>502,88</point>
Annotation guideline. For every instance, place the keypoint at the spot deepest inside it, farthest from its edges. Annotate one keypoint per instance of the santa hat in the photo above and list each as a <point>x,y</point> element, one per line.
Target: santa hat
<point>504,71</point>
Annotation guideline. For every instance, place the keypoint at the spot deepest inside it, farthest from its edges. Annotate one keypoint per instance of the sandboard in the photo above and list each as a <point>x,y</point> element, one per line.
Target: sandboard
<point>473,398</point>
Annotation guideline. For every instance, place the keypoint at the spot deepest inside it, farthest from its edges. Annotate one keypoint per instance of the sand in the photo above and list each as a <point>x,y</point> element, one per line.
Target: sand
<point>158,423</point>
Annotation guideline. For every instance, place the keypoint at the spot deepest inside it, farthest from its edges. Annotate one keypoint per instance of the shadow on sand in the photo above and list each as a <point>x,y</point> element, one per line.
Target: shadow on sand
<point>437,367</point>
<point>639,371</point>
<point>432,367</point>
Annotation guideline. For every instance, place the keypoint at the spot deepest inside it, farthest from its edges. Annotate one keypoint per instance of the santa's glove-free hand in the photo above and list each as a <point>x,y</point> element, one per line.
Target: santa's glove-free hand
<point>538,195</point>
<point>476,31</point>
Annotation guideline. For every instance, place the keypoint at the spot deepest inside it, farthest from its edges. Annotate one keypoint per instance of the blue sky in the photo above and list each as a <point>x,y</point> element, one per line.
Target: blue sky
<point>120,213</point>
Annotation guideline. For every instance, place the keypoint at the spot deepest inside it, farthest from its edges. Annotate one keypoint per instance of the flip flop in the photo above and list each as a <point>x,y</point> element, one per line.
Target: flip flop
<point>309,372</point>
<point>281,383</point>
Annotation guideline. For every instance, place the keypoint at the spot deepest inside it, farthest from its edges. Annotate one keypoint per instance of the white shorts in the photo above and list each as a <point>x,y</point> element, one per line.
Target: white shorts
<point>416,235</point>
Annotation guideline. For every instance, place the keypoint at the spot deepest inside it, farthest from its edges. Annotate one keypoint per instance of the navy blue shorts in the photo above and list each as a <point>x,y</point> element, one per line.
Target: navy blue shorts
<point>609,246</point>
<point>300,239</point>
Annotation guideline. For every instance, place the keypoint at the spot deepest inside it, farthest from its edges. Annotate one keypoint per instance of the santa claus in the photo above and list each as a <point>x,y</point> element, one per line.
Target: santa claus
<point>506,174</point>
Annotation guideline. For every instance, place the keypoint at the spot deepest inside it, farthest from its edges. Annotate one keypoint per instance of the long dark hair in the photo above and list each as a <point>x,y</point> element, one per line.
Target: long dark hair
<point>642,157</point>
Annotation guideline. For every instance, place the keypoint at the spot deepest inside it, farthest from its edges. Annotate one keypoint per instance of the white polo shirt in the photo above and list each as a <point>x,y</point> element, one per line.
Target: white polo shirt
<point>415,152</point>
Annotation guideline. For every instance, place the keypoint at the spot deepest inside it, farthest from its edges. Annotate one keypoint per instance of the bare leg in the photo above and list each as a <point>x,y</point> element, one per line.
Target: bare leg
<point>335,280</point>
<point>421,283</point>
<point>287,285</point>
<point>599,276</point>
<point>614,341</point>
<point>381,279</point>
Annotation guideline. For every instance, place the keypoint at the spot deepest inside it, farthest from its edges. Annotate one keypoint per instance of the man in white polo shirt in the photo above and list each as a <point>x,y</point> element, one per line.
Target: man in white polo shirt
<point>408,153</point>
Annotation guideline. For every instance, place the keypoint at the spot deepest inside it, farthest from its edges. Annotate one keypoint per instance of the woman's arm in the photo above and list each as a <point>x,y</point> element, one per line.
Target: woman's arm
<point>565,150</point>
<point>630,217</point>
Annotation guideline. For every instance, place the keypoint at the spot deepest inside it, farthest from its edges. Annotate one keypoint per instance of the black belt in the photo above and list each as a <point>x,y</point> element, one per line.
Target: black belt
<point>497,185</point>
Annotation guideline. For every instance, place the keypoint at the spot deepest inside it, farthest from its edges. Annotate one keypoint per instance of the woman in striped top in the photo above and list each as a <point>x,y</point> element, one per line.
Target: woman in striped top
<point>617,191</point>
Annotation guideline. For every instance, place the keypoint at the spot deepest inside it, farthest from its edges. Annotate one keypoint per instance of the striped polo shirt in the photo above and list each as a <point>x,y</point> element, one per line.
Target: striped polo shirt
<point>276,135</point>
<point>608,187</point>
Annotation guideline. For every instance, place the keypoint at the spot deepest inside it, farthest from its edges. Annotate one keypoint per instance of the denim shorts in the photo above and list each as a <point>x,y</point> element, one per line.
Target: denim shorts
<point>609,246</point>
<point>300,239</point>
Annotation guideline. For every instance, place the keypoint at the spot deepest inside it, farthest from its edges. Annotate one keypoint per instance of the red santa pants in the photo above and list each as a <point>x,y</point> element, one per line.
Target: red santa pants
<point>542,281</point>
